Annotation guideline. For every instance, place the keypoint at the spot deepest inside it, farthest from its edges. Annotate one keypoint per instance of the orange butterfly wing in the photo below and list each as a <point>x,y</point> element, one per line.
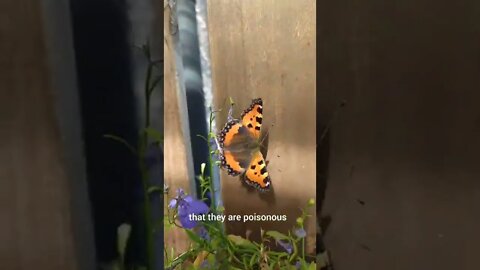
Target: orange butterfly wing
<point>226,138</point>
<point>252,118</point>
<point>256,174</point>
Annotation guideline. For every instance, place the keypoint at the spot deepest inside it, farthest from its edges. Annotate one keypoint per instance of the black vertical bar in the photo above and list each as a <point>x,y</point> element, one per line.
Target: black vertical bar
<point>108,107</point>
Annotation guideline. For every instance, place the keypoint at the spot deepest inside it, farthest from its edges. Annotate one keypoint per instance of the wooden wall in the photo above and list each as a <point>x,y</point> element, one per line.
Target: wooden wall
<point>267,49</point>
<point>407,142</point>
<point>44,221</point>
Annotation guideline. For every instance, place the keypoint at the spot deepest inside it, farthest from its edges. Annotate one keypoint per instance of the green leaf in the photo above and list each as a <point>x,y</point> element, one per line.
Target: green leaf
<point>277,235</point>
<point>172,254</point>
<point>194,237</point>
<point>122,141</point>
<point>253,260</point>
<point>244,261</point>
<point>203,137</point>
<point>272,265</point>
<point>312,266</point>
<point>123,233</point>
<point>240,241</point>
<point>154,134</point>
<point>153,189</point>
<point>176,261</point>
<point>202,168</point>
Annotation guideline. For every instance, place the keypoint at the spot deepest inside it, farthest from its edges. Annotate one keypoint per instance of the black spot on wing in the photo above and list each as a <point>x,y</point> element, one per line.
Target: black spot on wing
<point>264,170</point>
<point>250,125</point>
<point>266,180</point>
<point>259,119</point>
<point>259,110</point>
<point>257,128</point>
<point>253,167</point>
<point>260,162</point>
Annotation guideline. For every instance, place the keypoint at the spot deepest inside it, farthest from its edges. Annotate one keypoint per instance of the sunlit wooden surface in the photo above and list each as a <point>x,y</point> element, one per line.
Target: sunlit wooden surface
<point>267,49</point>
<point>175,165</point>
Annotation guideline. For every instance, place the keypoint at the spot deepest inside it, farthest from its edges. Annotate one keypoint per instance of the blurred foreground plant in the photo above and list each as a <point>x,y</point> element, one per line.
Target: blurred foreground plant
<point>147,151</point>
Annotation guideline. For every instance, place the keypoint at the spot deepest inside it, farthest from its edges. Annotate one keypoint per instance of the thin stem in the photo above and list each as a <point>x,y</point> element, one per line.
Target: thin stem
<point>122,141</point>
<point>303,248</point>
<point>147,95</point>
<point>144,170</point>
<point>147,212</point>
<point>325,130</point>
<point>179,260</point>
<point>212,189</point>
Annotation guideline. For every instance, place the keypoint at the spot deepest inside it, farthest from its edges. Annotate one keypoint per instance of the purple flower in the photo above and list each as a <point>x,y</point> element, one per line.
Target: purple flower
<point>204,233</point>
<point>285,245</point>
<point>300,232</point>
<point>177,200</point>
<point>187,207</point>
<point>298,265</point>
<point>172,204</point>
<point>205,265</point>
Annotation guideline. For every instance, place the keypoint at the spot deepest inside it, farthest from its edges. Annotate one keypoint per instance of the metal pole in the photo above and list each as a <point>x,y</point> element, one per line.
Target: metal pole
<point>195,91</point>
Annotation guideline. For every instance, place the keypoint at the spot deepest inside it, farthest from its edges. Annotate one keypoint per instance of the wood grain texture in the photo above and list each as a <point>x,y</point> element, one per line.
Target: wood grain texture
<point>35,222</point>
<point>267,49</point>
<point>176,173</point>
<point>407,142</point>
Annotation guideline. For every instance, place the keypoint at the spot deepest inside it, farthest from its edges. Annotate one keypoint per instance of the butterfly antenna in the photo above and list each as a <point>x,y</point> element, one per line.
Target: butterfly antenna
<point>266,134</point>
<point>215,111</point>
<point>230,111</point>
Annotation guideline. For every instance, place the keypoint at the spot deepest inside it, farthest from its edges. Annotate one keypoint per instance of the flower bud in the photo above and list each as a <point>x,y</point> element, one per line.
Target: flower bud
<point>311,202</point>
<point>300,221</point>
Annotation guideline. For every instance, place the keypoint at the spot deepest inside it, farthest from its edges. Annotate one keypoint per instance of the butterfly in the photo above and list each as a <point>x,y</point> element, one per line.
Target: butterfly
<point>239,143</point>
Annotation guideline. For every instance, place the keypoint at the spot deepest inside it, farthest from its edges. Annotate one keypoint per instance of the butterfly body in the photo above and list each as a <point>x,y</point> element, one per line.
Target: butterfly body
<point>240,147</point>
